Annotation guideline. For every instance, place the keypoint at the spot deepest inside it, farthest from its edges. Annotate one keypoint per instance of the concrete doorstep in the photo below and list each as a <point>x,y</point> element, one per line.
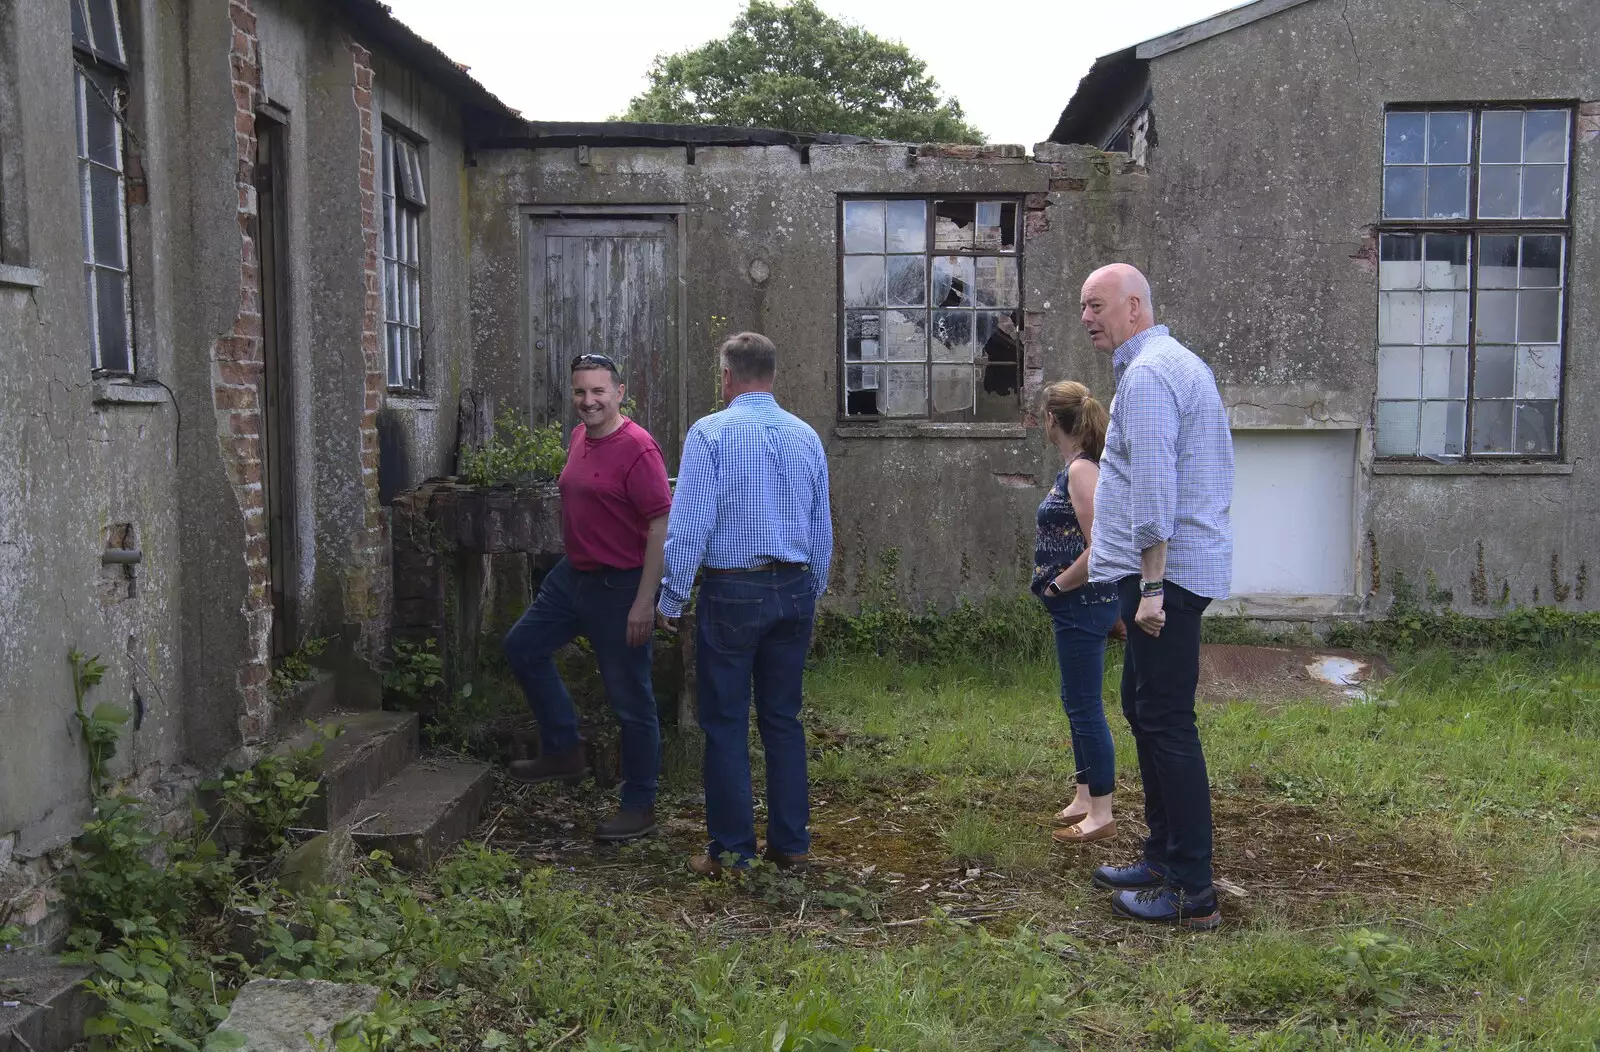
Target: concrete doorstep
<point>43,1005</point>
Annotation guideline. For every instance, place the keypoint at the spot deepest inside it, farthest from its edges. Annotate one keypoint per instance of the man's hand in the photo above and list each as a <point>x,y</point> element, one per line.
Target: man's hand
<point>641,621</point>
<point>1151,615</point>
<point>666,624</point>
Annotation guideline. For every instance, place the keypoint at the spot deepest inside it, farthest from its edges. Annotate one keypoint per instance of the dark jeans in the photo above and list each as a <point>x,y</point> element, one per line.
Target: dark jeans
<point>754,628</point>
<point>594,605</point>
<point>1159,676</point>
<point>1081,630</point>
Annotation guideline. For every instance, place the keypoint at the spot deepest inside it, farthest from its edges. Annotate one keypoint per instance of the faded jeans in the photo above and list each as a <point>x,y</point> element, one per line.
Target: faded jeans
<point>1081,630</point>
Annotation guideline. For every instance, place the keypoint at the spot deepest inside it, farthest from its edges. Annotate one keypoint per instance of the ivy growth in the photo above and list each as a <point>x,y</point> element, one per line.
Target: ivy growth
<point>296,668</point>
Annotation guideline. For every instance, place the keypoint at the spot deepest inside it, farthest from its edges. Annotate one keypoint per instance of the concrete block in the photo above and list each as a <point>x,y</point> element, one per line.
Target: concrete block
<point>424,812</point>
<point>296,1015</point>
<point>374,747</point>
<point>43,1004</point>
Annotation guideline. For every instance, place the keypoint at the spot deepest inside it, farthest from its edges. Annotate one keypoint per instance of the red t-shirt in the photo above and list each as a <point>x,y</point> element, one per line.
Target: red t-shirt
<point>610,490</point>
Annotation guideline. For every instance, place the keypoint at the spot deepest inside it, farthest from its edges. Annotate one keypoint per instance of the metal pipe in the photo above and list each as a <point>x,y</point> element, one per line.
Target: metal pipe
<point>121,556</point>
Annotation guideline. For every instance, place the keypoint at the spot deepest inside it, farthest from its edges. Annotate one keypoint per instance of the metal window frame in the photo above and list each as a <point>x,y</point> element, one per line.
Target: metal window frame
<point>1474,228</point>
<point>928,253</point>
<point>407,215</point>
<point>85,62</point>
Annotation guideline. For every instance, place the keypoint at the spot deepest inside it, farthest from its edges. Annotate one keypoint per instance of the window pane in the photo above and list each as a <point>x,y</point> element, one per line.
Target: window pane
<point>1492,373</point>
<point>1399,261</point>
<point>414,281</point>
<point>80,26</point>
<point>1447,192</point>
<point>1445,263</point>
<point>1541,261</point>
<point>101,133</point>
<point>863,281</point>
<point>413,228</point>
<point>1404,138</point>
<point>952,281</point>
<point>1544,191</point>
<point>863,226</point>
<point>954,388</point>
<point>1491,427</point>
<point>954,224</point>
<point>419,189</point>
<point>1449,138</point>
<point>103,23</point>
<point>905,335</point>
<point>996,225</point>
<point>1403,193</point>
<point>1444,318</point>
<point>1497,262</point>
<point>1397,428</point>
<point>391,338</point>
<point>861,403</point>
<point>908,226</point>
<point>391,292</point>
<point>391,236</point>
<point>1498,187</point>
<point>1544,136</point>
<point>1444,372</point>
<point>952,336</point>
<point>996,279</point>
<point>1399,372</point>
<point>90,316</point>
<point>405,177</point>
<point>997,340</point>
<point>1538,372</point>
<point>105,199</point>
<point>111,296</point>
<point>861,378</point>
<point>1497,317</point>
<point>1539,316</point>
<point>905,390</point>
<point>1536,428</point>
<point>1400,317</point>
<point>908,280</point>
<point>388,164</point>
<point>1502,136</point>
<point>863,332</point>
<point>1444,427</point>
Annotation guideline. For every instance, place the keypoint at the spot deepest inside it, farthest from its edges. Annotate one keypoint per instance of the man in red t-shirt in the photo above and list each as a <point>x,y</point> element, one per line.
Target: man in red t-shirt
<point>614,503</point>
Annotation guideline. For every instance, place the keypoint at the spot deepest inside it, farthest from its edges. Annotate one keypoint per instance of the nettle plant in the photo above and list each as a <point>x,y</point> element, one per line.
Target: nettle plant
<point>515,454</point>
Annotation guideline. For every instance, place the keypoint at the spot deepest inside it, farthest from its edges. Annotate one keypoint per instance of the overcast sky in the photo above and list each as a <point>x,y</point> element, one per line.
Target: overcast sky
<point>1012,64</point>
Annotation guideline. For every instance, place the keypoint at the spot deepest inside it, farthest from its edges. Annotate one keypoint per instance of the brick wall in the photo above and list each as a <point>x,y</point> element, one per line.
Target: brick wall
<point>236,375</point>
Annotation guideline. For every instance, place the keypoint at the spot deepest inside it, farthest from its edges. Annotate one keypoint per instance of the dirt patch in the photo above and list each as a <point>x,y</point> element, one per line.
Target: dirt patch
<point>1278,675</point>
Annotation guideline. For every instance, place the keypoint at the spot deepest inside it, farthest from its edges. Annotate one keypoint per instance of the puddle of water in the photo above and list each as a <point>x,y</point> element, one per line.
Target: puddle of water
<point>1337,671</point>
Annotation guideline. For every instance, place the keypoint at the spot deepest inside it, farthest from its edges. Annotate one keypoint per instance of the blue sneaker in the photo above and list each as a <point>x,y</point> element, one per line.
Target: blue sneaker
<point>1169,905</point>
<point>1138,875</point>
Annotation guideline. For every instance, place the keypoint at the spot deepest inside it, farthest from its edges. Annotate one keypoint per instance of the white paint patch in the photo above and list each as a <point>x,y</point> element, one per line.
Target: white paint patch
<point>1294,512</point>
<point>1338,671</point>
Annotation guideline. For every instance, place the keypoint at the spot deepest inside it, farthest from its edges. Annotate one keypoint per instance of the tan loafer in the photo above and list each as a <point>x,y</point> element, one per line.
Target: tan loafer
<point>1073,836</point>
<point>706,866</point>
<point>1068,817</point>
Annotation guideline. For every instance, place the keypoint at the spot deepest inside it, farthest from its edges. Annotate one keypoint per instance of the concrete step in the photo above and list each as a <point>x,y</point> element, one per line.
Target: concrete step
<point>374,747</point>
<point>425,811</point>
<point>51,1003</point>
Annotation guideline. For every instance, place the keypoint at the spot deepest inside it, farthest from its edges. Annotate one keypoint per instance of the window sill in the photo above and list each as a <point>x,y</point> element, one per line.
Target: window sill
<point>411,401</point>
<point>20,277</point>
<point>126,392</point>
<point>1475,467</point>
<point>929,429</point>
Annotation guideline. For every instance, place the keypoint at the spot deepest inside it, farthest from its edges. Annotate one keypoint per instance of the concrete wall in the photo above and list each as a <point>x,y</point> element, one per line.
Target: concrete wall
<point>1265,192</point>
<point>956,501</point>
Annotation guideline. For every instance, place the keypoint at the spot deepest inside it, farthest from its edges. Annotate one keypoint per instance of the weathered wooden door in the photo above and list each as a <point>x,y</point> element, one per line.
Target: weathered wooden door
<point>607,285</point>
<point>271,228</point>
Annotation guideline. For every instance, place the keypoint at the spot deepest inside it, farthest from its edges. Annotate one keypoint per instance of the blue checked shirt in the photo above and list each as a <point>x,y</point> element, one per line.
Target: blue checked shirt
<point>1167,470</point>
<point>752,488</point>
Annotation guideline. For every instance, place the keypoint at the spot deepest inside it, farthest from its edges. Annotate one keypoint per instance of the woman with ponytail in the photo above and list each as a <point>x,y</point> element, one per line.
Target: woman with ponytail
<point>1083,612</point>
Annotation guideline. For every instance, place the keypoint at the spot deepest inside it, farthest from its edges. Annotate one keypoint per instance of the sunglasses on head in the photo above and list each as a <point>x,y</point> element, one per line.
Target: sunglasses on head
<point>593,359</point>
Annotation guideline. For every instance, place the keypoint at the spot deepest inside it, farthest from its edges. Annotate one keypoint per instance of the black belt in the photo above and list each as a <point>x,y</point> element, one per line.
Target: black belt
<point>763,567</point>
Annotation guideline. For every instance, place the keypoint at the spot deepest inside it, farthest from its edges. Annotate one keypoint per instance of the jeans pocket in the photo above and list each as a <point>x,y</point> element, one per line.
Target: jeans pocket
<point>731,624</point>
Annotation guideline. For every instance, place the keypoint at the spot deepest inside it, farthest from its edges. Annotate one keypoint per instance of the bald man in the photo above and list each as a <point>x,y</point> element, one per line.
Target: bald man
<point>1163,535</point>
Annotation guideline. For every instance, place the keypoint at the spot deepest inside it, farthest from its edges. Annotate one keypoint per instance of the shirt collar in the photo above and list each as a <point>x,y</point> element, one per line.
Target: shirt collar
<point>755,396</point>
<point>1124,355</point>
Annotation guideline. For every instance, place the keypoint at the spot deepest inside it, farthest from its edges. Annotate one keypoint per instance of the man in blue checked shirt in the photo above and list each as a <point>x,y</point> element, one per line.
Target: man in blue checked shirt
<point>1163,535</point>
<point>751,509</point>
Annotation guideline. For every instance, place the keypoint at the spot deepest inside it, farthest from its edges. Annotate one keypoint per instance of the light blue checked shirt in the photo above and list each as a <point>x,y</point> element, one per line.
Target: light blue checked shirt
<point>1167,470</point>
<point>752,488</point>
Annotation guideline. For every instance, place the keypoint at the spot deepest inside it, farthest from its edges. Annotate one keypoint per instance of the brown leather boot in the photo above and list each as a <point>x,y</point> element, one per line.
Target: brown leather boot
<point>792,863</point>
<point>627,824</point>
<point>569,765</point>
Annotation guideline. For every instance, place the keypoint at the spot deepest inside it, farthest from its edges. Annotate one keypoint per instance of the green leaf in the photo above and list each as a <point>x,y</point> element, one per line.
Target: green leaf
<point>105,712</point>
<point>224,1040</point>
<point>115,964</point>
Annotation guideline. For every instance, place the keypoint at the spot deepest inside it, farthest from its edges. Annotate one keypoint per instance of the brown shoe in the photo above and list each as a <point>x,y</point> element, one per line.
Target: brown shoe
<point>627,824</point>
<point>1073,836</point>
<point>1067,817</point>
<point>795,863</point>
<point>569,765</point>
<point>706,866</point>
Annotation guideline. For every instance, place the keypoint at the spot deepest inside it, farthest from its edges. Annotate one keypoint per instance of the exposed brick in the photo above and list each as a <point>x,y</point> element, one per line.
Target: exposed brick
<point>236,398</point>
<point>1069,185</point>
<point>239,374</point>
<point>245,424</point>
<point>252,674</point>
<point>1035,224</point>
<point>1036,201</point>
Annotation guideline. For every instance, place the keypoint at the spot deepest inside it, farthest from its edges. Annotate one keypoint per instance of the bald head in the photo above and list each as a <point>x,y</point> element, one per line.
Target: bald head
<point>1116,305</point>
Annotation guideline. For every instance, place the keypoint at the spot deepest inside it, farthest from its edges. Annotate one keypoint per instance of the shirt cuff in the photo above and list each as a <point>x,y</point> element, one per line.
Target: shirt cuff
<point>1147,535</point>
<point>670,606</point>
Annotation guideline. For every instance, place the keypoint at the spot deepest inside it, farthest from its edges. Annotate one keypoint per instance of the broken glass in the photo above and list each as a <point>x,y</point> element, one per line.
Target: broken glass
<point>1541,261</point>
<point>861,378</point>
<point>1501,137</point>
<point>1445,261</point>
<point>954,388</point>
<point>1447,192</point>
<point>80,27</point>
<point>905,390</point>
<point>1445,318</point>
<point>1444,372</point>
<point>952,281</point>
<point>1497,261</point>
<point>1403,193</point>
<point>996,225</point>
<point>1544,136</point>
<point>1497,317</point>
<point>1404,138</point>
<point>953,225</point>
<point>1492,372</point>
<point>1491,427</point>
<point>1397,428</point>
<point>996,281</point>
<point>1449,137</point>
<point>1538,372</point>
<point>106,29</point>
<point>1399,261</point>
<point>1444,426</point>
<point>863,226</point>
<point>952,336</point>
<point>1536,428</point>
<point>1539,316</point>
<point>862,335</point>
<point>101,133</point>
<point>111,300</point>
<point>1400,317</point>
<point>1399,372</point>
<point>908,226</point>
<point>105,201</point>
<point>908,280</point>
<point>861,403</point>
<point>863,281</point>
<point>1544,191</point>
<point>1499,187</point>
<point>905,336</point>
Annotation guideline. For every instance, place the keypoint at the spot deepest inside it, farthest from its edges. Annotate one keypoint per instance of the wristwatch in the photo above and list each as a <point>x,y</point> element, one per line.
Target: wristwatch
<point>1052,588</point>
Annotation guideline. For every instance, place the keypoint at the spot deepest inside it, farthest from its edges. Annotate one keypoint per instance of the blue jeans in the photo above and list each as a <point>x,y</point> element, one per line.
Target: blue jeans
<point>1081,631</point>
<point>754,628</point>
<point>1159,677</point>
<point>594,605</point>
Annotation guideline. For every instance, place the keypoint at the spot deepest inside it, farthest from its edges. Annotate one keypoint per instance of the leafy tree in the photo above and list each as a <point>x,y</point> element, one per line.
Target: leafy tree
<point>795,67</point>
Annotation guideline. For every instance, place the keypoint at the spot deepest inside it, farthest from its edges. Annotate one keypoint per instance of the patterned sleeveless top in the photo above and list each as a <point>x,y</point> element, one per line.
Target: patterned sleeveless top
<point>1060,542</point>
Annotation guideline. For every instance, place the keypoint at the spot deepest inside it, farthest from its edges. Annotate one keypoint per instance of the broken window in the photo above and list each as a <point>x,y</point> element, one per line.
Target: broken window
<point>100,83</point>
<point>931,300</point>
<point>404,200</point>
<point>1472,261</point>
